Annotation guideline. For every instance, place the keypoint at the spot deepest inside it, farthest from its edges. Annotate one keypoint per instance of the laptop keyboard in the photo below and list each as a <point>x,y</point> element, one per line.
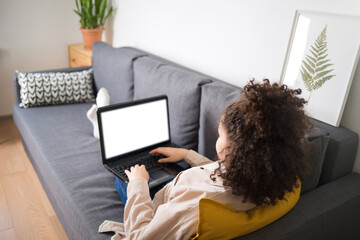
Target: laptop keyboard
<point>149,162</point>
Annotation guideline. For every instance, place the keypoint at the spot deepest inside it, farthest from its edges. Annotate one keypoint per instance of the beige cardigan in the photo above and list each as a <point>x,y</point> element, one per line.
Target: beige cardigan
<point>173,214</point>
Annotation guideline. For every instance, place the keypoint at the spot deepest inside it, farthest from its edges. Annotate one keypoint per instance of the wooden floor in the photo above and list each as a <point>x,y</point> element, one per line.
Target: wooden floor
<point>25,211</point>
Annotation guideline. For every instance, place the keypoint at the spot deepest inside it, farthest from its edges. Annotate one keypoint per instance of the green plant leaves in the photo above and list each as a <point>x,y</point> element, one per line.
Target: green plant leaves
<point>102,11</point>
<point>92,12</point>
<point>109,14</point>
<point>315,67</point>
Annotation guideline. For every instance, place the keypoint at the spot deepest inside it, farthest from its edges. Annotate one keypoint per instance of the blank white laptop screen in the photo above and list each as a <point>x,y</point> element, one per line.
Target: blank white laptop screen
<point>131,128</point>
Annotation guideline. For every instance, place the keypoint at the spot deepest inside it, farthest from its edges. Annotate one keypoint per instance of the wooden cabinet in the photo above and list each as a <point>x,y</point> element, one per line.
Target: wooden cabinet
<point>78,56</point>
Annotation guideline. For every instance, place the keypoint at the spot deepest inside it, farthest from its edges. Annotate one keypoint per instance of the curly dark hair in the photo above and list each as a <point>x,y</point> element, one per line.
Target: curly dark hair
<point>266,131</point>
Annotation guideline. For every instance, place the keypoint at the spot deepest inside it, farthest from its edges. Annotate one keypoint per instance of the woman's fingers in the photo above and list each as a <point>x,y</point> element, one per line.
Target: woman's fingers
<point>157,151</point>
<point>137,172</point>
<point>154,151</point>
<point>171,154</point>
<point>164,160</point>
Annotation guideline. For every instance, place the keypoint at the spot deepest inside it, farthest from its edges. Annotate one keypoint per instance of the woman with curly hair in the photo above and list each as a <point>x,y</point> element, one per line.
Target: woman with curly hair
<point>261,152</point>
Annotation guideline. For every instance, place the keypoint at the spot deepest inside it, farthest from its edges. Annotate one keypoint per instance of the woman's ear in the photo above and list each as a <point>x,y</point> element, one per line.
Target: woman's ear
<point>226,152</point>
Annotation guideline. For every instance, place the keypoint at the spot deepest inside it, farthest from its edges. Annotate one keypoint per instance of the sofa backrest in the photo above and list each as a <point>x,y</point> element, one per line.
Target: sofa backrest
<point>196,104</point>
<point>129,73</point>
<point>340,153</point>
<point>214,98</point>
<point>153,77</point>
<point>113,70</point>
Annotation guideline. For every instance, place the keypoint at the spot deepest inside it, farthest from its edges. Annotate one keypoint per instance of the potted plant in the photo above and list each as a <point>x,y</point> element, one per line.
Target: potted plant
<point>92,19</point>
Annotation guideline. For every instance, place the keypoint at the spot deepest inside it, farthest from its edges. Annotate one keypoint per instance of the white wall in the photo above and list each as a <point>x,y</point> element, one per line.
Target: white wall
<point>33,36</point>
<point>233,40</point>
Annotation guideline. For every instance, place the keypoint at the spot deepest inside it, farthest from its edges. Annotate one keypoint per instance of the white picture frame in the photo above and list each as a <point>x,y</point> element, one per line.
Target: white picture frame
<point>321,59</point>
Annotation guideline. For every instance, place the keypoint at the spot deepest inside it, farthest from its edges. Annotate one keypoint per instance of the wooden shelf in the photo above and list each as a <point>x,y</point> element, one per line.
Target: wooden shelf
<point>78,56</point>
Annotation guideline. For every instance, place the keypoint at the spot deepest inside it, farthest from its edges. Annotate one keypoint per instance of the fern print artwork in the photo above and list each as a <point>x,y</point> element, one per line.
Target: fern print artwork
<point>315,69</point>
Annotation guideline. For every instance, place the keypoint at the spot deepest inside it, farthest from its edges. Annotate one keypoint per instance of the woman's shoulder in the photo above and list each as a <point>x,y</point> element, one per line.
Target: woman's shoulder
<point>234,201</point>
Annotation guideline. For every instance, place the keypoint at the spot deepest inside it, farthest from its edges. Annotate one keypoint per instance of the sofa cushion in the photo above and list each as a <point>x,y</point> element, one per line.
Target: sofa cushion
<point>340,154</point>
<point>67,158</point>
<point>319,140</point>
<point>153,77</point>
<point>113,70</point>
<point>53,88</point>
<point>214,99</point>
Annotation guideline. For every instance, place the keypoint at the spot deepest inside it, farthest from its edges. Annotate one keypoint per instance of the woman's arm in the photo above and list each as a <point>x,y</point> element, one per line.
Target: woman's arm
<point>195,159</point>
<point>176,219</point>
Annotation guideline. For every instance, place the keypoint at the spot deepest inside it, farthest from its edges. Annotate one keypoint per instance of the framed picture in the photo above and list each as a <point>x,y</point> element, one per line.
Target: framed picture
<point>321,59</point>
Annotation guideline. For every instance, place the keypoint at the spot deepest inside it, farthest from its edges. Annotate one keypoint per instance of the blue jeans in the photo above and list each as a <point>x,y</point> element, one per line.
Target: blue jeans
<point>121,188</point>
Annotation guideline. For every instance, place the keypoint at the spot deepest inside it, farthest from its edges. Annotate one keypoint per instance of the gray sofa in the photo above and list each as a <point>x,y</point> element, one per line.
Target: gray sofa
<point>58,140</point>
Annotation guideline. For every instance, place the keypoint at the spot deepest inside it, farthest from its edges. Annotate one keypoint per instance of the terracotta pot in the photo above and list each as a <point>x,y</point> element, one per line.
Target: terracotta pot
<point>90,36</point>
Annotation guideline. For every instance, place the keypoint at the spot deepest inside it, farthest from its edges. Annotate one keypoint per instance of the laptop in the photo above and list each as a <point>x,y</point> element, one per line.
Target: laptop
<point>129,131</point>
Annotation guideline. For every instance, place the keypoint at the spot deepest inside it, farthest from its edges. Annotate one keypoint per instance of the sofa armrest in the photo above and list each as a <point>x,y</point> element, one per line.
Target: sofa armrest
<point>17,86</point>
<point>331,211</point>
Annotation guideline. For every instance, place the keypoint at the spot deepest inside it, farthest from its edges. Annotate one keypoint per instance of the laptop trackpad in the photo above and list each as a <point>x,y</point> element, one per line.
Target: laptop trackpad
<point>158,174</point>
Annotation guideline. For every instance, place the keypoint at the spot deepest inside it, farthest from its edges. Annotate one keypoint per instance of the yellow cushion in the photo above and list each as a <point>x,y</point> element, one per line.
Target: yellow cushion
<point>220,221</point>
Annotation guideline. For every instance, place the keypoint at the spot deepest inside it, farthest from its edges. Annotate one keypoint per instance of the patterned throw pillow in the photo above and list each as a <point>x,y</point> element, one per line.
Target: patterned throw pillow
<point>54,88</point>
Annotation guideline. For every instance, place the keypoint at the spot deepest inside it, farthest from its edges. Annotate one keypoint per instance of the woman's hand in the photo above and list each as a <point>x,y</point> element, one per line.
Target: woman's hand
<point>172,154</point>
<point>137,172</point>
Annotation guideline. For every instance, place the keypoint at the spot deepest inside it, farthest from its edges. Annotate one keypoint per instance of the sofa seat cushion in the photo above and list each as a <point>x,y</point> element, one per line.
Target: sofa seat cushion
<point>153,77</point>
<point>113,70</point>
<point>67,157</point>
